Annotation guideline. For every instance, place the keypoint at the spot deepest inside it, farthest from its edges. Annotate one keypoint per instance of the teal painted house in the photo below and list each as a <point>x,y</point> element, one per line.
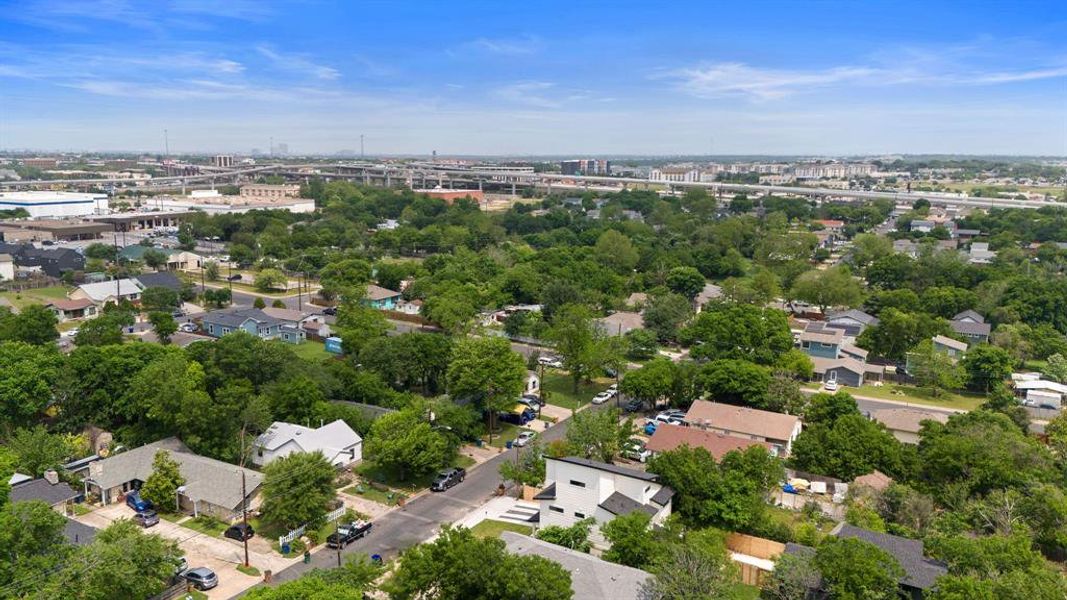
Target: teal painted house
<point>381,298</point>
<point>822,342</point>
<point>255,322</point>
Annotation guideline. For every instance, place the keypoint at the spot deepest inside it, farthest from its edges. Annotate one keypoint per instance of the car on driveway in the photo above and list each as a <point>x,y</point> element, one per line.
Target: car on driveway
<point>670,418</point>
<point>239,532</point>
<point>137,503</point>
<point>201,578</point>
<point>330,311</point>
<point>146,519</point>
<point>525,438</point>
<point>187,327</point>
<point>348,533</point>
<point>448,478</point>
<point>830,386</point>
<point>633,405</point>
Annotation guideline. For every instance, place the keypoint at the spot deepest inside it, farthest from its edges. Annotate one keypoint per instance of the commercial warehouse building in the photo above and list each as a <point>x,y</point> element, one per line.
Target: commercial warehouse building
<point>46,205</point>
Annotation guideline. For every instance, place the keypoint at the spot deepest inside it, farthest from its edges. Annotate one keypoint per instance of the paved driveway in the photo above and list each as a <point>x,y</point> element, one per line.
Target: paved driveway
<point>201,550</point>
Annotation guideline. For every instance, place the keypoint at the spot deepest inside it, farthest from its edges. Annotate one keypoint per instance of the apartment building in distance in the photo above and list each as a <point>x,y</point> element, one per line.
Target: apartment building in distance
<point>265,190</point>
<point>583,166</point>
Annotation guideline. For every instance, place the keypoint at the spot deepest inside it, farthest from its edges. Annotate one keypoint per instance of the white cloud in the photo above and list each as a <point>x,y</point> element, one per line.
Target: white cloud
<point>298,64</point>
<point>512,46</point>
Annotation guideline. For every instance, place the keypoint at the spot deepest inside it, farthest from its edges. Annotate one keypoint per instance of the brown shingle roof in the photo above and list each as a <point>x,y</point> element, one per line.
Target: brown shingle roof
<point>907,419</point>
<point>377,292</point>
<point>670,437</point>
<point>876,480</point>
<point>770,425</point>
<point>68,305</point>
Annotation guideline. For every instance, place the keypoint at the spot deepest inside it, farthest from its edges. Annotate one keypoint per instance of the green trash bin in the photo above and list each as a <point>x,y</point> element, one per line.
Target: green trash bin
<point>307,557</point>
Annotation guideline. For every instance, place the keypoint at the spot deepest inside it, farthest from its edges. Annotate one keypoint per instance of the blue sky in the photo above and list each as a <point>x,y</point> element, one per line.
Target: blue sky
<point>547,78</point>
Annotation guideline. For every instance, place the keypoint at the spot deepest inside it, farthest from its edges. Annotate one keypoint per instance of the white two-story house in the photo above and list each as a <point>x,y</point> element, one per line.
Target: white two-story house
<point>579,488</point>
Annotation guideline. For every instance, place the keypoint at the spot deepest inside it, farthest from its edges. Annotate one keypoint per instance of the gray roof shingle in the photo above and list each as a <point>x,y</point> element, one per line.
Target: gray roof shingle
<point>591,577</point>
<point>620,504</point>
<point>592,464</point>
<point>40,489</point>
<point>920,572</point>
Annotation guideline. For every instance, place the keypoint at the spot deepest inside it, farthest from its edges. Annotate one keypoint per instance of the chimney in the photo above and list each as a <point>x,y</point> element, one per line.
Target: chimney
<point>51,476</point>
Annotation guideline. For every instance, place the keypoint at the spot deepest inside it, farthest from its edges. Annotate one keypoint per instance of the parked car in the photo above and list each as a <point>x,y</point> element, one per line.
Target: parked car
<point>670,418</point>
<point>634,449</point>
<point>830,386</point>
<point>602,397</point>
<point>183,566</point>
<point>550,361</point>
<point>239,532</point>
<point>201,578</point>
<point>146,519</point>
<point>70,333</point>
<point>533,399</point>
<point>330,310</point>
<point>348,533</point>
<point>234,277</point>
<point>448,478</point>
<point>525,438</point>
<point>137,503</point>
<point>528,414</point>
<point>634,405</point>
<point>187,327</point>
<point>613,388</point>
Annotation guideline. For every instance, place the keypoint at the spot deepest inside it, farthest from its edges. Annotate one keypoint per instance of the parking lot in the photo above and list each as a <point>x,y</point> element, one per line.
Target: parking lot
<point>219,554</point>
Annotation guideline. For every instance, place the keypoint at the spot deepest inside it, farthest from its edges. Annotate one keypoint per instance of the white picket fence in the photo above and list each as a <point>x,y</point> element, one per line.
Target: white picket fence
<point>331,516</point>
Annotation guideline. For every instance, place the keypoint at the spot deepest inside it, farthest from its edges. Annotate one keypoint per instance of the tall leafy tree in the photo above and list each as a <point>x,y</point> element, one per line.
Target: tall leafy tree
<point>488,373</point>
<point>161,487</point>
<point>26,380</point>
<point>298,489</point>
<point>830,288</point>
<point>740,331</point>
<point>405,443</point>
<point>854,569</point>
<point>598,434</point>
<point>581,344</point>
<point>38,450</point>
<point>164,326</point>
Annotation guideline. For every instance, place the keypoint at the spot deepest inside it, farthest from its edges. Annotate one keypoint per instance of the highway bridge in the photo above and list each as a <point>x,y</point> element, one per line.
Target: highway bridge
<point>422,176</point>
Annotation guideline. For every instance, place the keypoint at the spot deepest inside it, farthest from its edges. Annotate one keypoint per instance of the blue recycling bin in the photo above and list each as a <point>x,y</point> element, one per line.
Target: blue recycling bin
<point>507,444</point>
<point>286,548</point>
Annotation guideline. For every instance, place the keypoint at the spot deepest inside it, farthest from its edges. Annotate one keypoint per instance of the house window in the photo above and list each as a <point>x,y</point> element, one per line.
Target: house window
<point>577,483</point>
<point>579,515</point>
<point>555,509</point>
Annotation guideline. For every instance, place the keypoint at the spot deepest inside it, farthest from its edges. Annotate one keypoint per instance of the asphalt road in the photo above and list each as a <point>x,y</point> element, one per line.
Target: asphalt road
<point>422,517</point>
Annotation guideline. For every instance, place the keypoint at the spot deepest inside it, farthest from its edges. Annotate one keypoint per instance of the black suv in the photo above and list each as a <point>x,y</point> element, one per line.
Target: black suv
<point>347,533</point>
<point>239,532</point>
<point>448,478</point>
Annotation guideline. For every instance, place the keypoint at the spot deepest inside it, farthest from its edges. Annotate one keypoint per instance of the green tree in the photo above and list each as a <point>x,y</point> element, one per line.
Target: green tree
<point>159,299</point>
<point>211,270</point>
<point>847,447</point>
<point>631,544</point>
<point>161,487</point>
<point>488,373</point>
<point>121,562</point>
<point>686,281</point>
<point>528,468</point>
<point>869,247</point>
<point>665,314</point>
<point>598,434</point>
<point>832,287</point>
<point>794,577</point>
<point>37,450</point>
<point>737,382</point>
<point>259,303</point>
<point>580,343</point>
<point>459,566</point>
<point>154,258</point>
<point>405,443</point>
<point>698,568</point>
<point>616,251</point>
<point>934,369</point>
<point>359,324</point>
<point>740,331</point>
<point>298,489</point>
<point>854,569</point>
<point>219,297</point>
<point>104,330</point>
<point>897,332</point>
<point>26,380</point>
<point>270,279</point>
<point>640,344</point>
<point>575,537</point>
<point>32,535</point>
<point>164,326</point>
<point>652,383</point>
<point>296,400</point>
<point>987,366</point>
<point>34,324</point>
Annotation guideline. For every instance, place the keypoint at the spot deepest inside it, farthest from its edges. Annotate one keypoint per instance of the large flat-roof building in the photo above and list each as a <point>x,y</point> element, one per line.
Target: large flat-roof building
<point>43,205</point>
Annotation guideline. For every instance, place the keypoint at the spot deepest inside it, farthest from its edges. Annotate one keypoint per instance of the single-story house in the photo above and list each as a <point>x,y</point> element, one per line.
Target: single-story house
<point>211,486</point>
<point>106,292</point>
<point>381,298</point>
<point>253,320</point>
<point>163,279</point>
<point>671,437</point>
<point>980,254</point>
<point>1035,392</point>
<point>852,321</point>
<point>48,489</point>
<point>621,323</point>
<point>949,346</point>
<point>845,370</point>
<point>311,323</point>
<point>66,310</point>
<point>176,259</point>
<point>971,325</point>
<point>920,573</point>
<point>337,441</point>
<point>905,423</point>
<point>578,488</point>
<point>591,577</point>
<point>777,429</point>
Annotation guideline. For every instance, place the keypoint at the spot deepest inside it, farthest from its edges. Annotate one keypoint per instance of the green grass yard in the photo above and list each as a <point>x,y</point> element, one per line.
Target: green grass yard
<point>35,296</point>
<point>311,350</point>
<point>205,525</point>
<point>375,495</point>
<point>559,389</point>
<point>492,529</point>
<point>370,471</point>
<point>915,395</point>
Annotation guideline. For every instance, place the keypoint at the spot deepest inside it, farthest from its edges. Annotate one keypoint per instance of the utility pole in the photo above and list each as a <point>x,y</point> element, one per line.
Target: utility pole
<point>244,496</point>
<point>337,532</point>
<point>540,387</point>
<point>230,280</point>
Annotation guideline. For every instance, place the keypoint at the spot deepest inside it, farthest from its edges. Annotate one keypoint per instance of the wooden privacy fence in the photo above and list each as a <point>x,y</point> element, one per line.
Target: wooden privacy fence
<point>755,556</point>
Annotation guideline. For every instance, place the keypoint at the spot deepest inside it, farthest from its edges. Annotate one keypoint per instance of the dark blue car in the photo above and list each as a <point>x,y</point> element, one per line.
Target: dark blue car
<point>137,503</point>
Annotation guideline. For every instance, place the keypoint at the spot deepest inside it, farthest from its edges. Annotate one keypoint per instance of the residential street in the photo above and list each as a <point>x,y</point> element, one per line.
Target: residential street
<point>423,516</point>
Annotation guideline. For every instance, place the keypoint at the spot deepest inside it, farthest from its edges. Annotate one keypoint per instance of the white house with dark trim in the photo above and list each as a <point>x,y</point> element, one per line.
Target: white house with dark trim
<point>579,488</point>
<point>337,441</point>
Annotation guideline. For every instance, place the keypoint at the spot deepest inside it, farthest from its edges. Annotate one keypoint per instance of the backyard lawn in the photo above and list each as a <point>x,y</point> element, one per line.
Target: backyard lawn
<point>311,350</point>
<point>205,525</point>
<point>916,395</point>
<point>492,529</point>
<point>35,296</point>
<point>559,389</point>
<point>506,432</point>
